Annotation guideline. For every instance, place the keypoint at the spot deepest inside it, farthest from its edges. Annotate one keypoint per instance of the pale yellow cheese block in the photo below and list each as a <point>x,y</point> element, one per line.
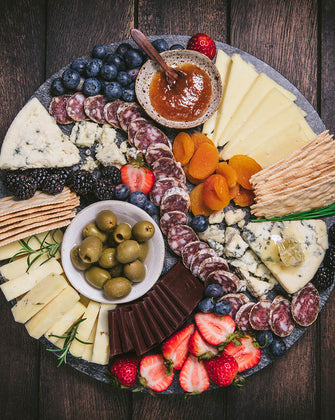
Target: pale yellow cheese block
<point>223,64</point>
<point>101,342</point>
<point>242,76</point>
<point>52,313</point>
<point>25,282</point>
<point>88,348</point>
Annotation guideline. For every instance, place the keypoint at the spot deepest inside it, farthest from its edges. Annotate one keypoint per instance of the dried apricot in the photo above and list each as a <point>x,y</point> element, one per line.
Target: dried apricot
<point>245,167</point>
<point>228,172</point>
<point>204,161</point>
<point>183,148</point>
<point>244,197</point>
<point>199,138</point>
<point>192,180</point>
<point>234,191</point>
<point>216,192</point>
<point>197,203</point>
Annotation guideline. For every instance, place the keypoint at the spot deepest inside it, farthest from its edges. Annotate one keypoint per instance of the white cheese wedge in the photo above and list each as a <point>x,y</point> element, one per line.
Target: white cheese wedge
<point>223,64</point>
<point>38,297</point>
<point>101,342</point>
<point>311,235</point>
<point>85,133</point>
<point>52,313</point>
<point>22,284</point>
<point>34,140</point>
<point>241,77</point>
<point>88,348</point>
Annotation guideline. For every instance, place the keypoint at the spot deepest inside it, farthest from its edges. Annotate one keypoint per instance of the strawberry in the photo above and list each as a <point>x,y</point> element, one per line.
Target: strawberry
<point>222,369</point>
<point>214,328</point>
<point>137,176</point>
<point>153,373</point>
<point>203,44</point>
<point>175,349</point>
<point>193,376</point>
<point>124,369</point>
<point>247,354</point>
<point>198,347</point>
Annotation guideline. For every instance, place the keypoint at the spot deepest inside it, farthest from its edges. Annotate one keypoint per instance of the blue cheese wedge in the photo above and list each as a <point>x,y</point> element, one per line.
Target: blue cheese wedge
<point>107,151</point>
<point>85,133</point>
<point>235,246</point>
<point>34,140</point>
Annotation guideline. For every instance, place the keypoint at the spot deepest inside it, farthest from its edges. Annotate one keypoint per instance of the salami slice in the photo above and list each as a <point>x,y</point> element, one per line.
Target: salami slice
<point>175,199</point>
<point>127,112</point>
<point>211,264</point>
<point>236,300</point>
<point>172,218</point>
<point>149,135</point>
<point>161,186</point>
<point>94,108</point>
<point>57,109</point>
<point>75,107</point>
<point>134,126</point>
<point>168,168</point>
<point>305,305</point>
<point>157,151</point>
<point>179,236</point>
<point>199,257</point>
<point>259,315</point>
<point>110,113</point>
<point>229,282</point>
<point>280,317</point>
<point>242,317</point>
<point>190,250</point>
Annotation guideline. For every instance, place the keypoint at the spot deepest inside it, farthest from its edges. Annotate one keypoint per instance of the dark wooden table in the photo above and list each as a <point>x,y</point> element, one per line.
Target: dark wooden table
<point>37,37</point>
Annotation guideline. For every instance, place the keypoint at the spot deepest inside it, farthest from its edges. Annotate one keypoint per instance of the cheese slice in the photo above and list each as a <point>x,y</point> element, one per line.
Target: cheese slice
<point>38,297</point>
<point>88,348</point>
<point>25,282</point>
<point>52,313</point>
<point>223,64</point>
<point>311,235</point>
<point>34,140</point>
<point>101,342</point>
<point>242,76</point>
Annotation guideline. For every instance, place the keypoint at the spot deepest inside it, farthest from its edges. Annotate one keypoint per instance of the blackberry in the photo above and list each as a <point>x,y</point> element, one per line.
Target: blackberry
<point>111,173</point>
<point>323,278</point>
<point>40,175</point>
<point>63,174</point>
<point>81,182</point>
<point>53,185</point>
<point>331,234</point>
<point>104,189</point>
<point>9,178</point>
<point>329,260</point>
<point>24,188</point>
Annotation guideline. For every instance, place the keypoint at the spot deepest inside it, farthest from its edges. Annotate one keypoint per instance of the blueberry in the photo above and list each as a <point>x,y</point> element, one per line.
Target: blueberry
<point>113,91</point>
<point>57,87</point>
<point>177,47</point>
<point>222,308</point>
<point>91,86</point>
<point>116,60</point>
<point>150,208</point>
<point>214,291</point>
<point>121,192</point>
<point>133,72</point>
<point>278,347</point>
<point>264,338</point>
<point>206,305</point>
<point>138,198</point>
<point>93,67</point>
<point>123,78</point>
<point>108,72</point>
<point>131,85</point>
<point>133,58</point>
<point>200,223</point>
<point>122,48</point>
<point>79,65</point>
<point>161,45</point>
<point>128,95</point>
<point>70,78</point>
<point>104,84</point>
<point>99,51</point>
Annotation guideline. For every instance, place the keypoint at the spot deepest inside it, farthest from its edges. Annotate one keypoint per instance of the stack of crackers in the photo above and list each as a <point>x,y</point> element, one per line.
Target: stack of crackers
<point>19,219</point>
<point>302,181</point>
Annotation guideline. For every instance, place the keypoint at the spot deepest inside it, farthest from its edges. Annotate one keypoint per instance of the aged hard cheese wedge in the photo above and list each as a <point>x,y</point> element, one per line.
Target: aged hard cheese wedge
<point>88,348</point>
<point>34,140</point>
<point>101,341</point>
<point>310,234</point>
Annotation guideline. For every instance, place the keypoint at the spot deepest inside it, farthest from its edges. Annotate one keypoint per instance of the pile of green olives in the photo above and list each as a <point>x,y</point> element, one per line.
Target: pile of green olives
<point>112,255</point>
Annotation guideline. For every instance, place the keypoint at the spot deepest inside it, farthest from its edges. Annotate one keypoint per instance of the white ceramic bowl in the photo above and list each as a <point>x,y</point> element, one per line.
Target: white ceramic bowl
<point>125,212</point>
<point>174,59</point>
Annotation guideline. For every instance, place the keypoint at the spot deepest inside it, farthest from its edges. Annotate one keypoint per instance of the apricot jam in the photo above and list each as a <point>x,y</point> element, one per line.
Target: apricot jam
<point>185,100</point>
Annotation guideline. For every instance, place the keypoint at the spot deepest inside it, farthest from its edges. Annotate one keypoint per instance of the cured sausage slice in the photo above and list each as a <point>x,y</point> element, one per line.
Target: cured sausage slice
<point>94,108</point>
<point>242,317</point>
<point>229,282</point>
<point>149,135</point>
<point>259,315</point>
<point>236,300</point>
<point>175,199</point>
<point>179,236</point>
<point>161,186</point>
<point>199,257</point>
<point>190,250</point>
<point>172,218</point>
<point>127,112</point>
<point>168,168</point>
<point>57,109</point>
<point>134,126</point>
<point>110,113</point>
<point>212,264</point>
<point>75,107</point>
<point>157,151</point>
<point>305,305</point>
<point>280,317</point>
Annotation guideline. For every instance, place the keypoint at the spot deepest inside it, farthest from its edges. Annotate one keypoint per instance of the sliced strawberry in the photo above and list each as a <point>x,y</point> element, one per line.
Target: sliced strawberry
<point>222,369</point>
<point>153,373</point>
<point>214,328</point>
<point>247,354</point>
<point>193,376</point>
<point>198,347</point>
<point>175,349</point>
<point>137,176</point>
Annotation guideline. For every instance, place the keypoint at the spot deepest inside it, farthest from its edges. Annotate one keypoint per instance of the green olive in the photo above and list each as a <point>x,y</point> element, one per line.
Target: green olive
<point>127,251</point>
<point>77,261</point>
<point>92,230</point>
<point>97,276</point>
<point>90,249</point>
<point>116,271</point>
<point>121,233</point>
<point>134,271</point>
<point>106,220</point>
<point>117,288</point>
<point>108,258</point>
<point>144,249</point>
<point>143,231</point>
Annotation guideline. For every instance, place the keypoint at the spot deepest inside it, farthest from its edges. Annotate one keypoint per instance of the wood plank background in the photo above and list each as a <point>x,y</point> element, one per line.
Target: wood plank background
<point>37,37</point>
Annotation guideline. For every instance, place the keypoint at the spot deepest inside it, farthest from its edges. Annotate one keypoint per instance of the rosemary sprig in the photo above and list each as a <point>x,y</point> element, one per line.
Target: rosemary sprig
<point>69,337</point>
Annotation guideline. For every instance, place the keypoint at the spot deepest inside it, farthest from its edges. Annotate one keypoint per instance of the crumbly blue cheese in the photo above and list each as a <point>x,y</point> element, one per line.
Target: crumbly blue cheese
<point>258,288</point>
<point>85,133</point>
<point>89,164</point>
<point>248,261</point>
<point>235,246</point>
<point>234,216</point>
<point>216,217</point>
<point>213,232</point>
<point>218,248</point>
<point>107,151</point>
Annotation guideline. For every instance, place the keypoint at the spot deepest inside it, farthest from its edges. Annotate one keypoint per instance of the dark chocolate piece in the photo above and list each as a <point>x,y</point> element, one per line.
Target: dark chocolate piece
<point>154,325</point>
<point>115,347</point>
<point>145,329</point>
<point>125,335</point>
<point>163,322</point>
<point>136,333</point>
